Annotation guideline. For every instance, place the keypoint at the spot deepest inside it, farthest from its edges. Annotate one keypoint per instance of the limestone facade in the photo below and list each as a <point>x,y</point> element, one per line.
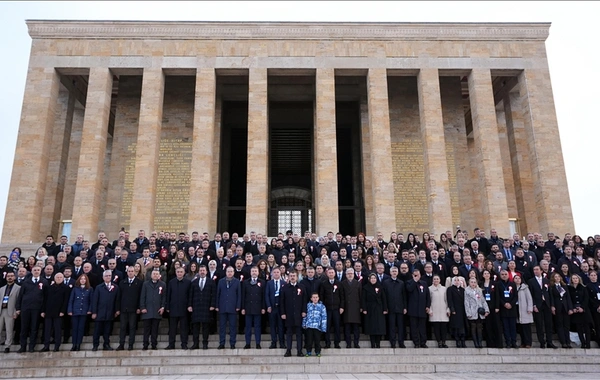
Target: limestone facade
<point>130,124</point>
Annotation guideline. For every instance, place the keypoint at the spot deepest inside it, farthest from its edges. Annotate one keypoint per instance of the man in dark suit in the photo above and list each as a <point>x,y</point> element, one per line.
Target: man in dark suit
<point>310,282</point>
<point>506,305</point>
<point>216,243</point>
<point>253,305</point>
<point>128,306</point>
<point>293,309</point>
<point>124,260</point>
<point>201,303</point>
<point>142,241</point>
<point>419,302</point>
<point>104,310</point>
<point>178,293</point>
<point>252,244</point>
<point>152,306</point>
<point>229,302</point>
<point>329,293</point>
<point>542,307</point>
<point>30,304</point>
<point>272,301</point>
<point>396,298</point>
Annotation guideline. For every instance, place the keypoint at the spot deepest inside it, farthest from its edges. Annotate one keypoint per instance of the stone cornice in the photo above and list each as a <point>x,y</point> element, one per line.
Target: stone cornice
<point>192,30</point>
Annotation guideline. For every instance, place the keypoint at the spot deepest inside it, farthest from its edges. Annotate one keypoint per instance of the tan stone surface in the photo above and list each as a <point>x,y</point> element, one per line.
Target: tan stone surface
<point>57,164</point>
<point>147,150</point>
<point>519,154</point>
<point>73,163</point>
<point>367,171</point>
<point>547,164</point>
<point>325,155</point>
<point>203,180</point>
<point>494,207</point>
<point>91,161</point>
<point>434,150</point>
<point>381,158</point>
<point>507,168</point>
<point>24,206</point>
<point>257,182</point>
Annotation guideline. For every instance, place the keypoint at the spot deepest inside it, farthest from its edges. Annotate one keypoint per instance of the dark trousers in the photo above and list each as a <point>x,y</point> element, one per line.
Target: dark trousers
<point>276,326</point>
<point>333,325</point>
<point>66,328</point>
<point>205,327</point>
<point>183,329</point>
<point>52,325</point>
<point>224,319</point>
<point>543,324</point>
<point>440,330</point>
<point>128,325</point>
<point>313,338</point>
<point>492,329</point>
<point>30,320</point>
<point>596,318</point>
<point>78,322</point>
<point>352,329</point>
<point>509,326</point>
<point>253,320</point>
<point>417,330</point>
<point>103,328</point>
<point>396,325</point>
<point>477,331</point>
<point>290,332</point>
<point>525,333</point>
<point>151,331</point>
<point>562,326</point>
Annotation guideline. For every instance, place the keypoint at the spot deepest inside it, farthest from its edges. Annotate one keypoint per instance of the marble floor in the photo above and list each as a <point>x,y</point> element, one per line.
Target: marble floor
<point>343,376</point>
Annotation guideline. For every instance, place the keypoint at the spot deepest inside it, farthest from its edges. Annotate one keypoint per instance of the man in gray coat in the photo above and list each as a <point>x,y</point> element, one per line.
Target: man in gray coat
<point>9,294</point>
<point>152,305</point>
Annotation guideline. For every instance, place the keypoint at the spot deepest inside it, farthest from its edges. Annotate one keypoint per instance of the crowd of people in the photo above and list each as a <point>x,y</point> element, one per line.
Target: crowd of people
<point>306,289</point>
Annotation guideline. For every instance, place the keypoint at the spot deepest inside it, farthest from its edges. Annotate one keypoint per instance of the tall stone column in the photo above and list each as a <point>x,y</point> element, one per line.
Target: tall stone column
<point>90,175</point>
<point>203,178</point>
<point>257,182</point>
<point>326,181</point>
<point>382,184</point>
<point>145,177</point>
<point>29,174</point>
<point>366,164</point>
<point>434,149</point>
<point>494,208</point>
<point>545,152</point>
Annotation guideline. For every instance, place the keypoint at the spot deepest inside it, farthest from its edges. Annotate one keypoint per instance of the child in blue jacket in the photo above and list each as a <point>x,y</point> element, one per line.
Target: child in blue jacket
<point>314,323</point>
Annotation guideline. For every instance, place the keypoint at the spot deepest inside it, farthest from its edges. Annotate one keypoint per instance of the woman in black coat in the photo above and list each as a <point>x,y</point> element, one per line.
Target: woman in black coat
<point>458,317</point>
<point>54,311</point>
<point>374,307</point>
<point>582,317</point>
<point>562,309</point>
<point>594,300</point>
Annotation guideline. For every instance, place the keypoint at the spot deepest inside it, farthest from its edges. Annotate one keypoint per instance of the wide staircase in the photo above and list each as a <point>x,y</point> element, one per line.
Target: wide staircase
<point>365,360</point>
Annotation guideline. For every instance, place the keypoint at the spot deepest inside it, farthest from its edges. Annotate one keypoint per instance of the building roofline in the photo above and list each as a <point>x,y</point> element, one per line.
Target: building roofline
<point>266,30</point>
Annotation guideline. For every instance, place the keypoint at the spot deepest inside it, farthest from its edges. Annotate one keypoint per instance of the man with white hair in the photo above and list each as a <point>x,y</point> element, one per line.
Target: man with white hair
<point>103,310</point>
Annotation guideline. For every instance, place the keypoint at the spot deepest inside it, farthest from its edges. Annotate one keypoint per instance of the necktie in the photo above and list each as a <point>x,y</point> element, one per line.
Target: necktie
<point>276,288</point>
<point>201,284</point>
<point>35,280</point>
<point>130,281</point>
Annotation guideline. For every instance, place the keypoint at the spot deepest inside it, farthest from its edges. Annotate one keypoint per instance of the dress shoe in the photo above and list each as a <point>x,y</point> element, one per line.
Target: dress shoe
<point>348,346</point>
<point>338,346</point>
<point>444,345</point>
<point>31,350</point>
<point>205,346</point>
<point>439,344</point>
<point>195,347</point>
<point>328,345</point>
<point>221,346</point>
<point>184,347</point>
<point>130,348</point>
<point>401,345</point>
<point>170,347</point>
<point>145,348</point>
<point>272,346</point>
<point>21,350</point>
<point>356,345</point>
<point>154,347</point>
<point>424,345</point>
<point>56,349</point>
<point>542,345</point>
<point>300,354</point>
<point>568,345</point>
<point>246,347</point>
<point>7,350</point>
<point>514,345</point>
<point>95,348</point>
<point>108,348</point>
<point>233,346</point>
<point>258,347</point>
<point>120,347</point>
<point>527,346</point>
<point>287,354</point>
<point>282,345</point>
<point>45,349</point>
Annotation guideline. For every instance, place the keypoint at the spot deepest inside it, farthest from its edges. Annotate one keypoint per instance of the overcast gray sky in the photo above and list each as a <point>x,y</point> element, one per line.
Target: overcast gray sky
<point>572,47</point>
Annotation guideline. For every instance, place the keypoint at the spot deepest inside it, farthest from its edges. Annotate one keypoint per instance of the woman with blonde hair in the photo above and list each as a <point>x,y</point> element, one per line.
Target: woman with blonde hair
<point>439,312</point>
<point>476,309</point>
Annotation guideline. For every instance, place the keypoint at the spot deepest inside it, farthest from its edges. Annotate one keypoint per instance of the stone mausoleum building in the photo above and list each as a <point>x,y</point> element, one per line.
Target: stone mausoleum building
<point>267,126</point>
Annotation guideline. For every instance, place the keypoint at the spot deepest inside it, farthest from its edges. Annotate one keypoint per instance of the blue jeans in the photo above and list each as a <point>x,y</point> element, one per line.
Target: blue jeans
<point>253,320</point>
<point>224,319</point>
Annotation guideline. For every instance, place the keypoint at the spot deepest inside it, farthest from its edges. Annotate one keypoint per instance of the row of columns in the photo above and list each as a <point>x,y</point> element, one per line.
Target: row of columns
<point>38,118</point>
